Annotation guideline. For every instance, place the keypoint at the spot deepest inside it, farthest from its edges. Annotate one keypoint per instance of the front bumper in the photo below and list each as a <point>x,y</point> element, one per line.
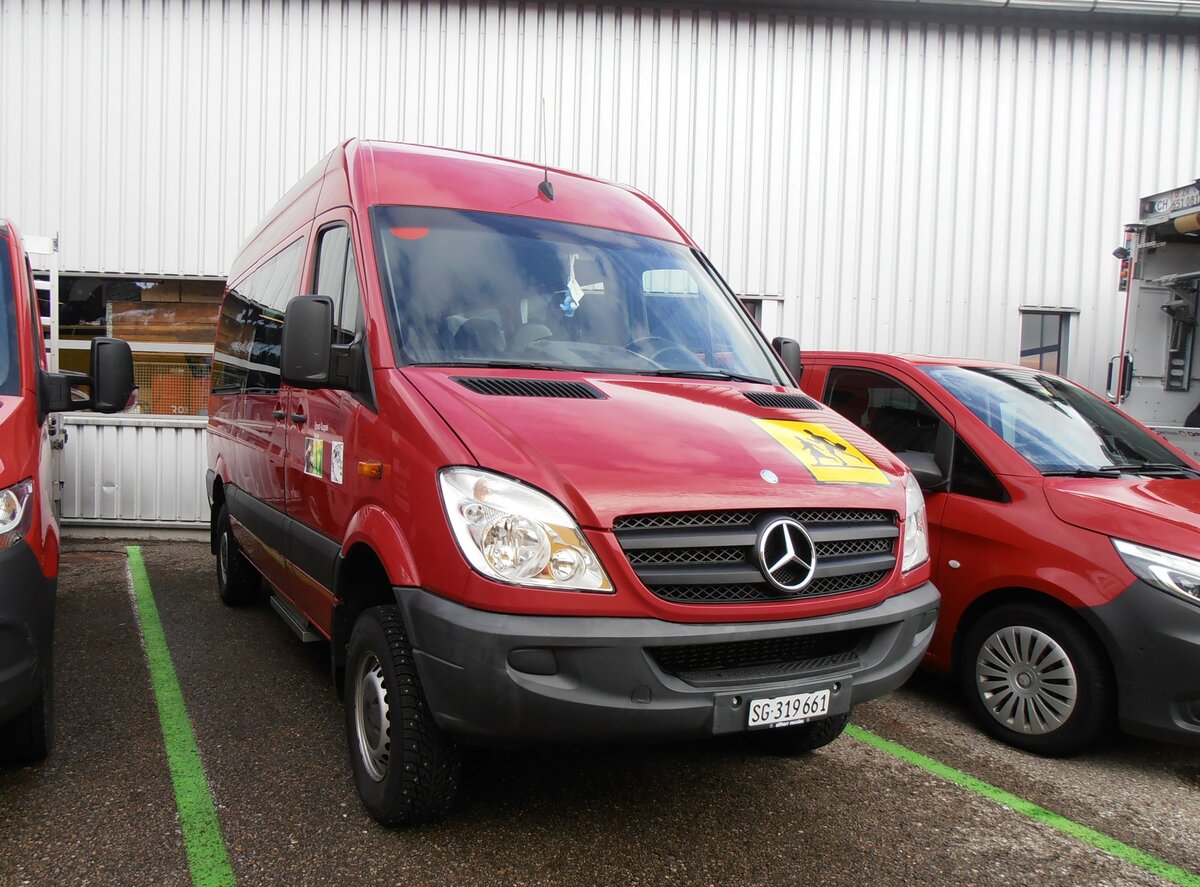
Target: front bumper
<point>498,679</point>
<point>1153,639</point>
<point>26,628</point>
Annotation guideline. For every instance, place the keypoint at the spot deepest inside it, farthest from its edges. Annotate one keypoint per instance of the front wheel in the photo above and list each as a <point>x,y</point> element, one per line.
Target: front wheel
<point>29,737</point>
<point>1037,680</point>
<point>803,738</point>
<point>406,768</point>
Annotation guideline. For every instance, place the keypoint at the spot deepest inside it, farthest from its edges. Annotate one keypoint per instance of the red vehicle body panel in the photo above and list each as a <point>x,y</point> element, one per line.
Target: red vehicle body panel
<point>1052,538</point>
<point>26,453</point>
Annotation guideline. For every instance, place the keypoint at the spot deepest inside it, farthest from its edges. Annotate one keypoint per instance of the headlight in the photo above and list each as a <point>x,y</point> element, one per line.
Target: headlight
<point>16,512</point>
<point>1170,572</point>
<point>916,528</point>
<point>514,533</point>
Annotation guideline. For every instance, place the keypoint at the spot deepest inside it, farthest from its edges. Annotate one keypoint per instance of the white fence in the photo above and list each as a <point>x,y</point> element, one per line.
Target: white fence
<point>134,471</point>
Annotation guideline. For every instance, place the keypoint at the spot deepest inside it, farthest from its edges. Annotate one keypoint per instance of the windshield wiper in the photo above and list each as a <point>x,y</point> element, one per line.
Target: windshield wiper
<point>1125,468</point>
<point>706,374</point>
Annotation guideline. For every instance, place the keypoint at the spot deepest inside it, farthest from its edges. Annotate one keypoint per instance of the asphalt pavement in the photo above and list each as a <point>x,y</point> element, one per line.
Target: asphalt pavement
<point>269,729</point>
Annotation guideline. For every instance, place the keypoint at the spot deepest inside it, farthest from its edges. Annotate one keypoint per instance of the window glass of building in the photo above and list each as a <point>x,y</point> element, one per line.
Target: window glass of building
<point>1044,340</point>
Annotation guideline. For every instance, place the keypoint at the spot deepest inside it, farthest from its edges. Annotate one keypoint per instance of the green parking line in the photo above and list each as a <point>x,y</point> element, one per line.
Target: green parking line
<point>208,859</point>
<point>1152,864</point>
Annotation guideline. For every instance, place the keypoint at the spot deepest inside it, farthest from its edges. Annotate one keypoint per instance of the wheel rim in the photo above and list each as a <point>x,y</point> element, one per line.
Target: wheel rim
<point>1026,680</point>
<point>223,558</point>
<point>371,724</point>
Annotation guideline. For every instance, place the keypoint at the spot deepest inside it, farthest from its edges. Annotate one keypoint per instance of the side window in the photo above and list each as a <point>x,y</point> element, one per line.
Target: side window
<point>337,277</point>
<point>885,409</point>
<point>250,328</point>
<point>900,420</point>
<point>971,477</point>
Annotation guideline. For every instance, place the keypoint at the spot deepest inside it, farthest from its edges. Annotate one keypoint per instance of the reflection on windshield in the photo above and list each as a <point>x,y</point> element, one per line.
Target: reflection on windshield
<point>488,289</point>
<point>1053,423</point>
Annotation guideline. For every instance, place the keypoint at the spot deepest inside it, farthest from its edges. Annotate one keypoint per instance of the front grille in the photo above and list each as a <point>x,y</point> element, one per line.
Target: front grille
<point>688,519</point>
<point>498,386</point>
<point>769,657</point>
<point>712,557</point>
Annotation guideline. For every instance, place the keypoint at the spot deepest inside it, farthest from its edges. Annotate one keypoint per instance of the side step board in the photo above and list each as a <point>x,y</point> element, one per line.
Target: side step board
<point>295,620</point>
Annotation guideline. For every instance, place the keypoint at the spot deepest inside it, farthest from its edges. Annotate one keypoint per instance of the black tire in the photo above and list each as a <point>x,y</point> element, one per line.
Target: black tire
<point>386,712</point>
<point>803,738</point>
<point>238,583</point>
<point>29,737</point>
<point>1055,697</point>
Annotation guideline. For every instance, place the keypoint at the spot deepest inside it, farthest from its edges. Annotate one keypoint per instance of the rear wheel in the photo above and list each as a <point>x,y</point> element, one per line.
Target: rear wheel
<point>238,582</point>
<point>29,737</point>
<point>406,768</point>
<point>1036,679</point>
<point>803,738</point>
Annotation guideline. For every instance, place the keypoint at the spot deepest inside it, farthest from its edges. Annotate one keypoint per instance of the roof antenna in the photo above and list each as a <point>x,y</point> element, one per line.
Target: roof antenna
<point>545,187</point>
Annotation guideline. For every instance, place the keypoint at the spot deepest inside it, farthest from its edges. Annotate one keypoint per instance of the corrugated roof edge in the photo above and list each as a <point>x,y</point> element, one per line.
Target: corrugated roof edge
<point>1177,17</point>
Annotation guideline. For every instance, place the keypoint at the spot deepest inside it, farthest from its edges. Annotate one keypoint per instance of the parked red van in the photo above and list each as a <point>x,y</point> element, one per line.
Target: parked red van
<point>1064,536</point>
<point>525,462</point>
<point>29,542</point>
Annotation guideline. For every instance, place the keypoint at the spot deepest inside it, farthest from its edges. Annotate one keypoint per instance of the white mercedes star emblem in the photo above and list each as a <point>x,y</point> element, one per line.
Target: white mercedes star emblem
<point>787,555</point>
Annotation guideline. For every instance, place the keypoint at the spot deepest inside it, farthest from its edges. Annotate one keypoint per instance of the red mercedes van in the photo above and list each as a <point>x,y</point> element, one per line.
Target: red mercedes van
<point>29,542</point>
<point>505,438</point>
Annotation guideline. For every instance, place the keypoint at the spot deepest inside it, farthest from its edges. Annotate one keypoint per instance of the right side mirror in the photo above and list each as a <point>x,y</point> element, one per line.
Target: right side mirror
<point>789,352</point>
<point>307,341</point>
<point>112,375</point>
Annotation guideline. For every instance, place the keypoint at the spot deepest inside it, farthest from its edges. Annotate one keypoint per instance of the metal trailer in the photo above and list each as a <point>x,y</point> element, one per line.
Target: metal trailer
<point>1160,276</point>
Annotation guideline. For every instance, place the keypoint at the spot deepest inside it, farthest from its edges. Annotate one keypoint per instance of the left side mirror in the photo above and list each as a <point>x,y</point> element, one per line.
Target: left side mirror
<point>925,469</point>
<point>789,352</point>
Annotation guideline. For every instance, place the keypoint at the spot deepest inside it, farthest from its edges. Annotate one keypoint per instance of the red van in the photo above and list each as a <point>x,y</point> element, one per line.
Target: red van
<point>28,532</point>
<point>1064,536</point>
<point>522,458</point>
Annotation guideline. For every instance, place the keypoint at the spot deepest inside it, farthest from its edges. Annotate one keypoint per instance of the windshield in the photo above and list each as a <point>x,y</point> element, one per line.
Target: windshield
<point>10,374</point>
<point>1053,423</point>
<point>469,288</point>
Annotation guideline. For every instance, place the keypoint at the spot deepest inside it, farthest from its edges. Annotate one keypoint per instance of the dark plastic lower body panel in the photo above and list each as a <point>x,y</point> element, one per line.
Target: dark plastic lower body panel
<point>498,679</point>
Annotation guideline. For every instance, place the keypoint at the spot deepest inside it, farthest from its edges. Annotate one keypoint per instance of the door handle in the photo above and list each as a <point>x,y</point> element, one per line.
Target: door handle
<point>299,418</point>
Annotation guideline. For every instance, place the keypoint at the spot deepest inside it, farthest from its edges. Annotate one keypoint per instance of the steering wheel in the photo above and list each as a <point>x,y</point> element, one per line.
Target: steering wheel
<point>656,348</point>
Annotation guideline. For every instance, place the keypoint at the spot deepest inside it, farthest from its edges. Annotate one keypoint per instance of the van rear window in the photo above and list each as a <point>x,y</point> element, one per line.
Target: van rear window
<point>10,369</point>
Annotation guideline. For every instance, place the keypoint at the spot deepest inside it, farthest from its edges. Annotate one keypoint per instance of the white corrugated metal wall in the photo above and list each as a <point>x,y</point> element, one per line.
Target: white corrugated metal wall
<point>904,186</point>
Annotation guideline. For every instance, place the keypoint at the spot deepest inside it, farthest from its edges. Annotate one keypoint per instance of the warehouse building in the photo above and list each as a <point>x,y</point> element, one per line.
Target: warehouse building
<point>912,175</point>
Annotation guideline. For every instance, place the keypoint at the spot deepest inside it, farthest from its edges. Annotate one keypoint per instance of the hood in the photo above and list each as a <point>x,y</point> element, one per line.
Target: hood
<point>1162,513</point>
<point>643,445</point>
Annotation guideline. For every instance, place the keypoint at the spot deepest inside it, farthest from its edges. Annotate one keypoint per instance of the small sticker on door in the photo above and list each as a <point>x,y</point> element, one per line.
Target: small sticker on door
<point>336,449</point>
<point>828,456</point>
<point>314,456</point>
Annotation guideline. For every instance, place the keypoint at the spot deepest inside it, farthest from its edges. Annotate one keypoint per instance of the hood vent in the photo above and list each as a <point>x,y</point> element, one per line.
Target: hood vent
<point>501,387</point>
<point>777,401</point>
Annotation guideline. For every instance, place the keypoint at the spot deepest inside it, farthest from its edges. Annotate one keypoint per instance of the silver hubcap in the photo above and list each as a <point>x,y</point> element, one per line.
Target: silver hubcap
<point>371,724</point>
<point>223,557</point>
<point>1026,680</point>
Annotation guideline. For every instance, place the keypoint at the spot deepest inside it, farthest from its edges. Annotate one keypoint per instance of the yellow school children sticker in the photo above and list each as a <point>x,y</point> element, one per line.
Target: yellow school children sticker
<point>826,454</point>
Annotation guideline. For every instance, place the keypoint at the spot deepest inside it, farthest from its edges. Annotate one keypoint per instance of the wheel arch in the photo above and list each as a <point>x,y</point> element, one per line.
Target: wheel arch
<point>362,582</point>
<point>999,597</point>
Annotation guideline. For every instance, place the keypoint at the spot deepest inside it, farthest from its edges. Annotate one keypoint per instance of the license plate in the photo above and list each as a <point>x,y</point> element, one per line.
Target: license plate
<point>782,711</point>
